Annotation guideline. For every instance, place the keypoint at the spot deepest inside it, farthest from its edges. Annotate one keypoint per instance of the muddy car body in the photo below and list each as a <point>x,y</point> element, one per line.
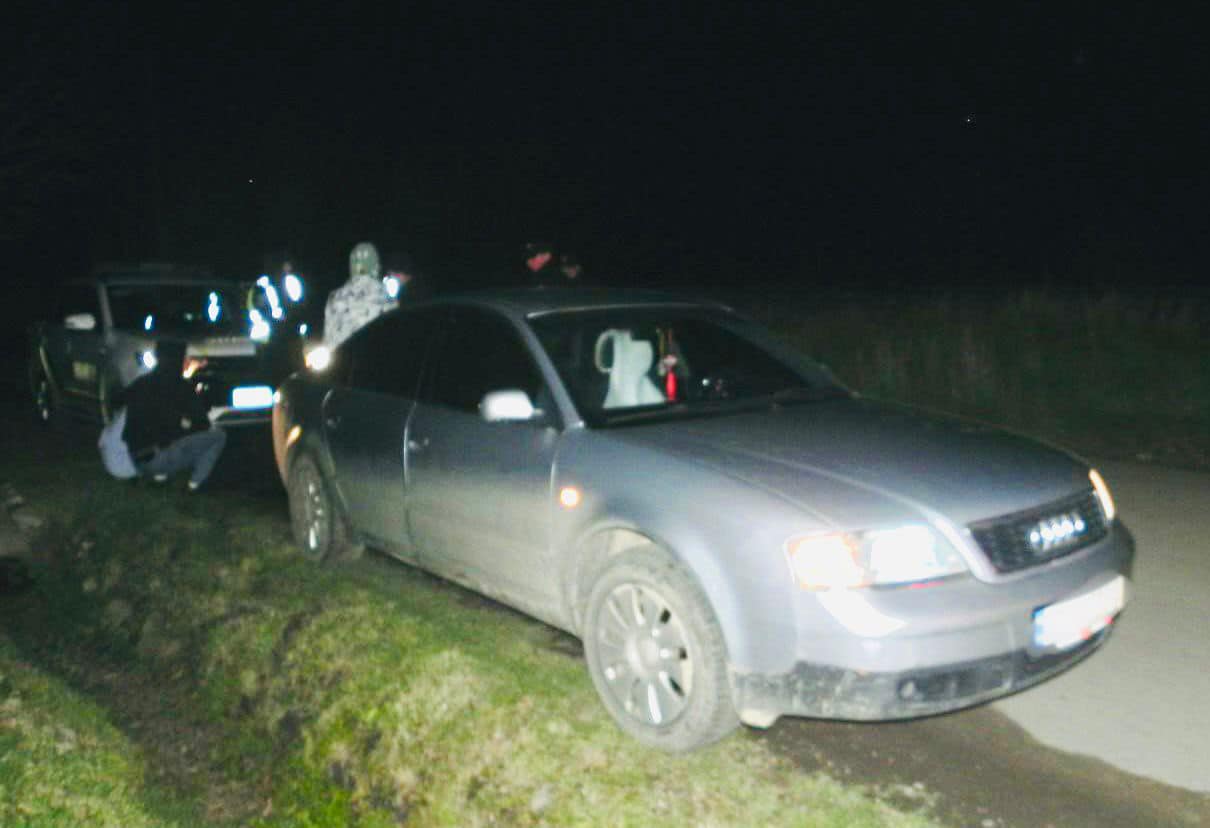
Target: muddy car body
<point>733,534</point>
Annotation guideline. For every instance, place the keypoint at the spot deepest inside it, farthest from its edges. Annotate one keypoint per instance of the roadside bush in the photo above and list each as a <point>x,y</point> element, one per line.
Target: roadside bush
<point>1111,373</point>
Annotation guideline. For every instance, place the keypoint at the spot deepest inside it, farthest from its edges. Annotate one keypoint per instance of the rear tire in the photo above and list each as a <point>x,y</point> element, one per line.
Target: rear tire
<point>320,527</point>
<point>656,653</point>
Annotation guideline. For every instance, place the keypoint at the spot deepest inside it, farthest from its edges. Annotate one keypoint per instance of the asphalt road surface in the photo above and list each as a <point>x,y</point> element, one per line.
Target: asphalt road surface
<point>1143,703</point>
<point>1122,739</point>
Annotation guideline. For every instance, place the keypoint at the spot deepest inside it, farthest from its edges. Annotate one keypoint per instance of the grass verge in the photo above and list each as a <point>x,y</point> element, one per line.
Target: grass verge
<point>62,762</point>
<point>371,695</point>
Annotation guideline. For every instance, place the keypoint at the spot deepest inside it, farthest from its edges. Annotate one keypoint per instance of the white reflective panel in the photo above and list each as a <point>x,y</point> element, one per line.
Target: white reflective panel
<point>293,286</point>
<point>252,396</point>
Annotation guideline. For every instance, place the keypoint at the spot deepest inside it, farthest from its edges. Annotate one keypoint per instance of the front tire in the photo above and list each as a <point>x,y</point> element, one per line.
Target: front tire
<point>320,528</point>
<point>656,653</point>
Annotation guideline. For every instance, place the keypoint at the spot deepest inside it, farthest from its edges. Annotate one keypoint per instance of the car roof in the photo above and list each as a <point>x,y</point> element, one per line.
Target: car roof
<point>160,273</point>
<point>531,302</point>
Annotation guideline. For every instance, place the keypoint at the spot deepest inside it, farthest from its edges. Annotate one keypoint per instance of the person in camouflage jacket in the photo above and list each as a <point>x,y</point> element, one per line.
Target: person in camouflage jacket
<point>358,300</point>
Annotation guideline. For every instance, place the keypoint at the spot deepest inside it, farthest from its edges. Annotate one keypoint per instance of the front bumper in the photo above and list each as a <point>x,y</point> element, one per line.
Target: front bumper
<point>957,644</point>
<point>834,693</point>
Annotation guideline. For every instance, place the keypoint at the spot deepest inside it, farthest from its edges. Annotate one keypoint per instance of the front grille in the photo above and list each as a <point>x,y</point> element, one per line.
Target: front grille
<point>1007,540</point>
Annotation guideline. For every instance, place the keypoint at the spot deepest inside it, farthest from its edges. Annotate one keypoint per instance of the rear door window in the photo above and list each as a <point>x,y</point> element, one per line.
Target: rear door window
<point>387,355</point>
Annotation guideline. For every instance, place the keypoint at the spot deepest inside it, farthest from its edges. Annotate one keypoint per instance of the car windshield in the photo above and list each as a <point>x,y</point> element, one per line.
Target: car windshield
<point>191,309</point>
<point>630,365</point>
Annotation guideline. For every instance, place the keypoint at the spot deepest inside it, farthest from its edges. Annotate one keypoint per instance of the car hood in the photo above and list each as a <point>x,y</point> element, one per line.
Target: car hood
<point>813,453</point>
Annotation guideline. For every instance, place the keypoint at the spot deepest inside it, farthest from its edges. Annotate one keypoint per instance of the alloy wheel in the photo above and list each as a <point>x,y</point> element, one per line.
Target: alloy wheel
<point>314,517</point>
<point>643,654</point>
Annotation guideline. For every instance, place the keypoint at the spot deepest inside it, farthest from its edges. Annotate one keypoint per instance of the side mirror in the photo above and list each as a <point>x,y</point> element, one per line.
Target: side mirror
<point>509,406</point>
<point>80,322</point>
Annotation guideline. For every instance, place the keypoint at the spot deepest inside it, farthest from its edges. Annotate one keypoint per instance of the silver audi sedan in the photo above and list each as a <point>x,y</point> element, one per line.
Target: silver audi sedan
<point>733,534</point>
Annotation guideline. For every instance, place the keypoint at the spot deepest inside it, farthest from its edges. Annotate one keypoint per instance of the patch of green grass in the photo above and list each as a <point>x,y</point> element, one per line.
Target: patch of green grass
<point>61,761</point>
<point>373,694</point>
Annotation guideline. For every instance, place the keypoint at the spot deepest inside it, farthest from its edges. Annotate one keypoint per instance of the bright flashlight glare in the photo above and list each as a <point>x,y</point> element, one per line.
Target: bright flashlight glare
<point>391,285</point>
<point>148,359</point>
<point>193,364</point>
<point>148,322</point>
<point>213,310</point>
<point>318,358</point>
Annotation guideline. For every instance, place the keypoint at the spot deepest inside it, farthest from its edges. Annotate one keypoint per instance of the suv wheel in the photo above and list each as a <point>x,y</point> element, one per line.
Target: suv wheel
<point>320,529</point>
<point>656,653</point>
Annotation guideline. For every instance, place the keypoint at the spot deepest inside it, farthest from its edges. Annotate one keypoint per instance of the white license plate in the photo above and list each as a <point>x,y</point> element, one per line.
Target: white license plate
<point>252,396</point>
<point>1067,623</point>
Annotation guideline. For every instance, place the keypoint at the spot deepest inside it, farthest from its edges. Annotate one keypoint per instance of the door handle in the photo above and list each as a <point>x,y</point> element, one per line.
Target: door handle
<point>417,446</point>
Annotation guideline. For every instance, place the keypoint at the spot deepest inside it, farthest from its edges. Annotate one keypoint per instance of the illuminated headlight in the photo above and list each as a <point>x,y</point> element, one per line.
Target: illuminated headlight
<point>1103,495</point>
<point>841,560</point>
<point>147,360</point>
<point>318,358</point>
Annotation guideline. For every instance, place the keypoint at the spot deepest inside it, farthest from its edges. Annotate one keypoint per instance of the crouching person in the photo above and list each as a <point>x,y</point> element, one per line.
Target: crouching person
<point>167,425</point>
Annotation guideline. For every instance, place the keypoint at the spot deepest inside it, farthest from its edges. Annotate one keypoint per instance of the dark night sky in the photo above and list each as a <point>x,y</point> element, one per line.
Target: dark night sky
<point>759,142</point>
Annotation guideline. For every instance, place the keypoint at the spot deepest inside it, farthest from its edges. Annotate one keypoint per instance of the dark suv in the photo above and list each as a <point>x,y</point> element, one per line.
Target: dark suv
<point>104,331</point>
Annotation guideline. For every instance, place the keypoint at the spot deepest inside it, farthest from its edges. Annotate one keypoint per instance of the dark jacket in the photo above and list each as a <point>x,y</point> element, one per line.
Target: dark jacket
<point>161,407</point>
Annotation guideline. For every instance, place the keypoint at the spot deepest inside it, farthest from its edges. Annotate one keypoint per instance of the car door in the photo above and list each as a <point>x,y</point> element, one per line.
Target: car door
<point>74,348</point>
<point>479,492</point>
<point>365,418</point>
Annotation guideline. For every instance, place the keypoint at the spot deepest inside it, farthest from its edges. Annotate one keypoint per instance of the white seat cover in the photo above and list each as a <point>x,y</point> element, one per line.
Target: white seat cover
<point>629,384</point>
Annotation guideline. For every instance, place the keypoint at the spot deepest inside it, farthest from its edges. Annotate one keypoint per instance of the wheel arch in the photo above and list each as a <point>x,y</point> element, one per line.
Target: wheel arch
<point>605,539</point>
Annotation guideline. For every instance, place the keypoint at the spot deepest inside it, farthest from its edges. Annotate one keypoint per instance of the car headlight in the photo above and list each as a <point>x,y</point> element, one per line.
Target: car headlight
<point>318,358</point>
<point>1103,495</point>
<point>844,560</point>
